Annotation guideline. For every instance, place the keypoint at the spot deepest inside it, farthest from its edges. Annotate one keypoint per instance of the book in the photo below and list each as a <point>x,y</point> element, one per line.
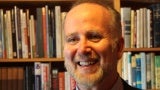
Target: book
<point>133,66</point>
<point>8,34</point>
<point>148,70</point>
<point>133,29</point>
<point>54,79</point>
<point>153,86</point>
<point>129,59</point>
<point>143,70</point>
<point>58,29</point>
<point>138,72</point>
<point>32,38</point>
<point>70,83</point>
<point>37,73</point>
<point>45,76</point>
<point>24,34</point>
<point>39,34</point>
<point>61,79</point>
<point>155,23</point>
<point>13,34</point>
<point>157,71</point>
<point>29,78</point>
<point>18,31</point>
<point>126,25</point>
<point>52,35</point>
<point>2,46</point>
<point>45,31</point>
<point>125,69</point>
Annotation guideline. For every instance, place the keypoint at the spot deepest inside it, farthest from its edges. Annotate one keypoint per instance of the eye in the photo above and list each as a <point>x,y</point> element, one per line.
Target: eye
<point>94,36</point>
<point>72,39</point>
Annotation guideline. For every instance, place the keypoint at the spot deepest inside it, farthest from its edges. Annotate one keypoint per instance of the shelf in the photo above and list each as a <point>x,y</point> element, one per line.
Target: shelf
<point>142,50</point>
<point>32,60</point>
<point>136,4</point>
<point>8,4</point>
<point>141,1</point>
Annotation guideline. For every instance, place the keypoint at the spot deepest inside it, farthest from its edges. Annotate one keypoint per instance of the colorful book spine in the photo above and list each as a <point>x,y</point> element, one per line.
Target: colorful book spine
<point>157,71</point>
<point>37,72</point>
<point>138,72</point>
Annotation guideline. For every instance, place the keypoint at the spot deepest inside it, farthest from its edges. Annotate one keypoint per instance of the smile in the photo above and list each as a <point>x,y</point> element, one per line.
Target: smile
<point>87,63</point>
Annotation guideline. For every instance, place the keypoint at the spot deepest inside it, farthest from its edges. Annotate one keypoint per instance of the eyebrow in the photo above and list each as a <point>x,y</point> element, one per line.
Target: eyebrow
<point>71,34</point>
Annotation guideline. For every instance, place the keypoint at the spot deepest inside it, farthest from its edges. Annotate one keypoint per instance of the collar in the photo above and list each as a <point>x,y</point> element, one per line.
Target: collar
<point>117,86</point>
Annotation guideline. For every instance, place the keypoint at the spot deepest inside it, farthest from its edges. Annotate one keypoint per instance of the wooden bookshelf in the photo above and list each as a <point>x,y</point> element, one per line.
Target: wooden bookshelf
<point>142,49</point>
<point>148,53</point>
<point>66,4</point>
<point>32,60</point>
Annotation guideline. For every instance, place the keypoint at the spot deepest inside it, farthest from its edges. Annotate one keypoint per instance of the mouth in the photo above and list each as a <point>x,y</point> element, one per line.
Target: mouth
<point>87,63</point>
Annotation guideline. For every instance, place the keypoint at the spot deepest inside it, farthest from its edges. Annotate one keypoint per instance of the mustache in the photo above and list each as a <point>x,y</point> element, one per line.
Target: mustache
<point>86,57</point>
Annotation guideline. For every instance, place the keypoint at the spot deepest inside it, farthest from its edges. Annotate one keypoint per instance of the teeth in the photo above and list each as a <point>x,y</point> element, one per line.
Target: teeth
<point>86,63</point>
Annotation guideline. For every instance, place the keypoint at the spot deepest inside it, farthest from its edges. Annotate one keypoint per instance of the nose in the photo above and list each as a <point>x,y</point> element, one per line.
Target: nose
<point>84,47</point>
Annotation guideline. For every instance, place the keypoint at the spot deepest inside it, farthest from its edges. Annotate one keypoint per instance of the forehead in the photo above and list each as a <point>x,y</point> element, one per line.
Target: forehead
<point>88,8</point>
<point>84,14</point>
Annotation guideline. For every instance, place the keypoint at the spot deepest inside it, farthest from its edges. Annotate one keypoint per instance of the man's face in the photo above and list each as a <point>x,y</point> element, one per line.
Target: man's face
<point>88,51</point>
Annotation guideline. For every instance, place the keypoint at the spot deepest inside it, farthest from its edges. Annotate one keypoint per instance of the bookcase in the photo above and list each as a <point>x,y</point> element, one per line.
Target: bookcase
<point>57,63</point>
<point>140,63</point>
<point>22,73</point>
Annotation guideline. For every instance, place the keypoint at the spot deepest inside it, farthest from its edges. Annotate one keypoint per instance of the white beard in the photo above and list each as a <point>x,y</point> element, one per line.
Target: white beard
<point>88,79</point>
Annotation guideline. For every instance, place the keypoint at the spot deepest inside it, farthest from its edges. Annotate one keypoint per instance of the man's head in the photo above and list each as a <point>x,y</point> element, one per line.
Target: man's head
<point>93,42</point>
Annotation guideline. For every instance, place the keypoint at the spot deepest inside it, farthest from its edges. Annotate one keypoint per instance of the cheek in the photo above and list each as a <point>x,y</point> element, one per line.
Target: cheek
<point>68,53</point>
<point>105,51</point>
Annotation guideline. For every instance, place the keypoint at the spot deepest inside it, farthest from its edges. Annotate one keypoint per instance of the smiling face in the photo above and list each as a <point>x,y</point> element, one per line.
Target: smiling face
<point>88,51</point>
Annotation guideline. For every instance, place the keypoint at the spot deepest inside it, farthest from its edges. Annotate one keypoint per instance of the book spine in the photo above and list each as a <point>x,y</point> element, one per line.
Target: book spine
<point>39,34</point>
<point>148,70</point>
<point>2,46</point>
<point>126,25</point>
<point>61,81</point>
<point>138,72</point>
<point>143,70</point>
<point>24,34</point>
<point>58,29</point>
<point>8,34</point>
<point>37,70</point>
<point>157,71</point>
<point>32,36</point>
<point>54,80</point>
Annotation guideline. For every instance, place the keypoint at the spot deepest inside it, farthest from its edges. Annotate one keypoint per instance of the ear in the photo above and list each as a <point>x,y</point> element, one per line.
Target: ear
<point>120,47</point>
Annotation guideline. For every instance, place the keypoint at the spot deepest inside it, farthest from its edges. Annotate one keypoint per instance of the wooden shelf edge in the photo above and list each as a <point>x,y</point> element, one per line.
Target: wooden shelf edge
<point>141,1</point>
<point>32,60</point>
<point>37,0</point>
<point>141,50</point>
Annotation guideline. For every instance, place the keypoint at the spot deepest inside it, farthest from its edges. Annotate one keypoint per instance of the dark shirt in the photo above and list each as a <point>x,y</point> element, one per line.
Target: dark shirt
<point>128,87</point>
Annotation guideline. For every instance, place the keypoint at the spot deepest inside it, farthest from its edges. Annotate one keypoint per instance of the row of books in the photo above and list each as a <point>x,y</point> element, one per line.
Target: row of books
<point>23,35</point>
<point>141,27</point>
<point>141,70</point>
<point>38,77</point>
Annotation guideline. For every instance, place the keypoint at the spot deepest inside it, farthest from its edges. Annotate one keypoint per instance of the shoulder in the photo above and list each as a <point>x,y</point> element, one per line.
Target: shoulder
<point>126,86</point>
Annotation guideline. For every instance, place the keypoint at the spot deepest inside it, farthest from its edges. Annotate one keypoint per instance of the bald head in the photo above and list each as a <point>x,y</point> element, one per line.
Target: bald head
<point>86,12</point>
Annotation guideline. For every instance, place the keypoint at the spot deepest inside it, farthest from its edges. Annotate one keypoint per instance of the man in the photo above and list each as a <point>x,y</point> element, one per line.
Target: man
<point>93,46</point>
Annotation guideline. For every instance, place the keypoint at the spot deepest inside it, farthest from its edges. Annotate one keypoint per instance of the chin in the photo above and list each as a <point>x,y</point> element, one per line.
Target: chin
<point>86,79</point>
